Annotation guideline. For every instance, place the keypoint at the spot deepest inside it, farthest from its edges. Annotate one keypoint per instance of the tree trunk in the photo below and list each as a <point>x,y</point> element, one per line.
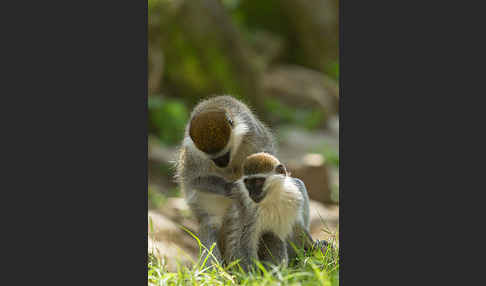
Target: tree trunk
<point>206,22</point>
<point>316,26</point>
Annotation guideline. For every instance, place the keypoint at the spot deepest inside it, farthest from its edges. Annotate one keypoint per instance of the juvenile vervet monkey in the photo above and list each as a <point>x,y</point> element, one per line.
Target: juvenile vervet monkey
<point>269,208</point>
<point>220,134</point>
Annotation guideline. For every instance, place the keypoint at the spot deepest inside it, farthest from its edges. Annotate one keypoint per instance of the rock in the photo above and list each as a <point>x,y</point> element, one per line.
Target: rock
<point>162,227</point>
<point>171,254</point>
<point>302,86</point>
<point>302,152</point>
<point>178,211</point>
<point>175,208</point>
<point>313,171</point>
<point>297,142</point>
<point>168,233</point>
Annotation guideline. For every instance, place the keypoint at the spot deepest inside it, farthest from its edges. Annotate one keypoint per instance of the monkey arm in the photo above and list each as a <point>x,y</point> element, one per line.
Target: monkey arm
<point>245,222</point>
<point>248,251</point>
<point>300,239</point>
<point>212,184</point>
<point>322,245</point>
<point>208,234</point>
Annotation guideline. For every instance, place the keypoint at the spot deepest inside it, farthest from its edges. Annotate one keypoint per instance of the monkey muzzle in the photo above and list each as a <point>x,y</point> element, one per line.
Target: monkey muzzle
<point>222,161</point>
<point>255,188</point>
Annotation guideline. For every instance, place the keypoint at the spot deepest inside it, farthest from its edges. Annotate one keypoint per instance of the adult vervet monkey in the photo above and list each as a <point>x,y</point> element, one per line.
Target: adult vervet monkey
<point>221,133</point>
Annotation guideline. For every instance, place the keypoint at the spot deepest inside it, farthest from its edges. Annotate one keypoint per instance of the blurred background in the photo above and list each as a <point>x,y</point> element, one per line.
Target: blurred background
<point>280,58</point>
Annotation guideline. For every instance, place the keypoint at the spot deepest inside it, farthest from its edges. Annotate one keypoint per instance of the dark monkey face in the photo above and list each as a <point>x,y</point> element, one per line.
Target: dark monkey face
<point>255,188</point>
<point>222,161</point>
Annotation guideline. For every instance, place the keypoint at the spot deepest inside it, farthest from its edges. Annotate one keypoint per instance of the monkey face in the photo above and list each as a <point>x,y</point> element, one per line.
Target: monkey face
<point>254,186</point>
<point>259,168</point>
<point>222,161</point>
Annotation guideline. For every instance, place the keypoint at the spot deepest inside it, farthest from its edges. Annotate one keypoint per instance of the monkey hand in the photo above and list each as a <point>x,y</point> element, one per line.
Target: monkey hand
<point>322,245</point>
<point>212,184</point>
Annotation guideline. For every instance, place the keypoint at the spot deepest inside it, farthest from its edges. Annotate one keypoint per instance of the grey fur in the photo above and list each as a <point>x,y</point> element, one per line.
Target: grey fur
<point>239,237</point>
<point>272,249</point>
<point>301,237</point>
<point>212,184</point>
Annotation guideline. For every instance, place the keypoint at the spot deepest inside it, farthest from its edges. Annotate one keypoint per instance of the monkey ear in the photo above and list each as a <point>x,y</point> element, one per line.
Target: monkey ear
<point>280,169</point>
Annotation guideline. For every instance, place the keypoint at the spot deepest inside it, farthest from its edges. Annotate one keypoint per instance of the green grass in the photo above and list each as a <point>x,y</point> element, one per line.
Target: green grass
<point>313,268</point>
<point>167,118</point>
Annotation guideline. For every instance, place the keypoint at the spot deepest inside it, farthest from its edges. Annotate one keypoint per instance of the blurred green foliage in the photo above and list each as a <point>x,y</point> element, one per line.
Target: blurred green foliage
<point>167,118</point>
<point>259,15</point>
<point>192,70</point>
<point>332,69</point>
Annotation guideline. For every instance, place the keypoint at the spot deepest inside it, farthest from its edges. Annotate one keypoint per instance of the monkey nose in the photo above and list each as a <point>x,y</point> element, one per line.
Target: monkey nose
<point>222,161</point>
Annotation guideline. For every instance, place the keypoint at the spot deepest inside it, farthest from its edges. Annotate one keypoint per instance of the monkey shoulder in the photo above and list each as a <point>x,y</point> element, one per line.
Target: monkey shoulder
<point>300,185</point>
<point>305,213</point>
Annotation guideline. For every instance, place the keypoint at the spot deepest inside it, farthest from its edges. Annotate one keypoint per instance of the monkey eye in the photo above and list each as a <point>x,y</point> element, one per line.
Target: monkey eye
<point>280,169</point>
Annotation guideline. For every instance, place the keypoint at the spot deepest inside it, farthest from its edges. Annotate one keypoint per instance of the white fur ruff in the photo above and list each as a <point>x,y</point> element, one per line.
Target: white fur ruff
<point>238,132</point>
<point>279,210</point>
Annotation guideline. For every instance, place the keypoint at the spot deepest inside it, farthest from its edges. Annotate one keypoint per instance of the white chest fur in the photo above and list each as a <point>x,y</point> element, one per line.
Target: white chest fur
<point>214,205</point>
<point>281,206</point>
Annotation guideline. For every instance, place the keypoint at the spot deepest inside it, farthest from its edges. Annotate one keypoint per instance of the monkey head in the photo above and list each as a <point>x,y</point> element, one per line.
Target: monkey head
<point>217,133</point>
<point>260,172</point>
